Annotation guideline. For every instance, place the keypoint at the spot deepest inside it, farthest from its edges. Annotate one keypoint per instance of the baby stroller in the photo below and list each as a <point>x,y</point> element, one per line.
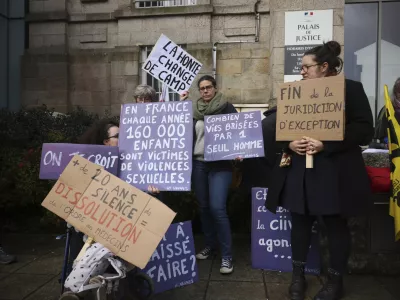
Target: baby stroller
<point>97,275</point>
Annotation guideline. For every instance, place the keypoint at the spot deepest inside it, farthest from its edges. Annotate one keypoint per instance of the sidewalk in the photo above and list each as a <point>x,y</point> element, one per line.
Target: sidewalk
<point>35,277</point>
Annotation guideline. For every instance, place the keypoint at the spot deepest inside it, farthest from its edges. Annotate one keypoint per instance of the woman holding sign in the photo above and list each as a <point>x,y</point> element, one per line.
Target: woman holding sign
<point>211,180</point>
<point>335,189</point>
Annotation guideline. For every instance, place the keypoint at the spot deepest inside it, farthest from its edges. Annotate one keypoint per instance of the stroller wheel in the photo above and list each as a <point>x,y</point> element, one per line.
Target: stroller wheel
<point>142,286</point>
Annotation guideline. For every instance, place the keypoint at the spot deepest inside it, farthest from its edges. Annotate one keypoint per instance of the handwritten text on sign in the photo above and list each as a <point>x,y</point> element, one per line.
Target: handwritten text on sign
<point>56,156</point>
<point>125,220</point>
<point>173,264</point>
<point>233,135</point>
<point>270,238</point>
<point>172,65</point>
<point>155,143</point>
<point>313,107</point>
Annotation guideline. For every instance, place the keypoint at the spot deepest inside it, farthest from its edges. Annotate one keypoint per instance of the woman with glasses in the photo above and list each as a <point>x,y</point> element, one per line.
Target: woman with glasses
<point>211,180</point>
<point>335,189</point>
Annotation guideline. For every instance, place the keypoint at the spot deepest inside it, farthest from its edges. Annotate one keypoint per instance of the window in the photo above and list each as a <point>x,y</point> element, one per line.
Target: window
<point>164,3</point>
<point>164,93</point>
<point>372,46</point>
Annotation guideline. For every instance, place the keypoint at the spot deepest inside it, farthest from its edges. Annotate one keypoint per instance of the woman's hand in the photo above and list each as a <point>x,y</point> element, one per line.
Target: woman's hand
<point>184,95</point>
<point>239,159</point>
<point>153,190</point>
<point>299,146</point>
<point>313,146</point>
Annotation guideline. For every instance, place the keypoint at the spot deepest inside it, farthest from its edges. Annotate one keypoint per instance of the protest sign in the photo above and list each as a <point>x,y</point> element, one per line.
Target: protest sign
<point>313,107</point>
<point>56,156</point>
<point>233,135</point>
<point>122,218</point>
<point>156,145</point>
<point>270,238</point>
<point>172,65</point>
<point>173,264</point>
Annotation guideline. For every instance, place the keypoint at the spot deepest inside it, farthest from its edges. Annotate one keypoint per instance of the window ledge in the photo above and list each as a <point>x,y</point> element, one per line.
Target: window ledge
<point>164,11</point>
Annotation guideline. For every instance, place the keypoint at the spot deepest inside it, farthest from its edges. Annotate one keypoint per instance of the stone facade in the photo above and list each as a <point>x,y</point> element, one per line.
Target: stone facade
<point>88,52</point>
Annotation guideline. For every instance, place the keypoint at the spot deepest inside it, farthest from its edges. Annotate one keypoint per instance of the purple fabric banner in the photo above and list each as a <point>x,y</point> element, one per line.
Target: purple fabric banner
<point>233,135</point>
<point>56,156</point>
<point>270,238</point>
<point>173,264</point>
<point>156,145</point>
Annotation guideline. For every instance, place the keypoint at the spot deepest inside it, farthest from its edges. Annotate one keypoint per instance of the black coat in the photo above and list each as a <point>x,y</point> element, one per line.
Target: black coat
<point>222,164</point>
<point>338,183</point>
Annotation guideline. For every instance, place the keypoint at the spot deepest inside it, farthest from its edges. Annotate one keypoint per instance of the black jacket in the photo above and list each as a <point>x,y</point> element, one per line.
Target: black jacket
<point>223,164</point>
<point>338,183</point>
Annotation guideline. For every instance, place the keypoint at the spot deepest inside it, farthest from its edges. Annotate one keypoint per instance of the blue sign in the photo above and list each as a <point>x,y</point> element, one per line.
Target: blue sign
<point>270,238</point>
<point>229,136</point>
<point>173,264</point>
<point>156,144</point>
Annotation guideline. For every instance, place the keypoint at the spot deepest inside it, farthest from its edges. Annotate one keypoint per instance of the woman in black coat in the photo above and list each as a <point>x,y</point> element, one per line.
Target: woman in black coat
<point>336,188</point>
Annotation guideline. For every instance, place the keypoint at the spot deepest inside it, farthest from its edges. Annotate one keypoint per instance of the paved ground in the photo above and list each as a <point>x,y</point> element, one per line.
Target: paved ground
<point>35,277</point>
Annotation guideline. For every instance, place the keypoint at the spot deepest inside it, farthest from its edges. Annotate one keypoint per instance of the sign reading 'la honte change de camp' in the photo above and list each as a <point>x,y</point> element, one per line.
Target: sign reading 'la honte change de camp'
<point>156,145</point>
<point>172,65</point>
<point>233,135</point>
<point>56,156</point>
<point>270,238</point>
<point>173,264</point>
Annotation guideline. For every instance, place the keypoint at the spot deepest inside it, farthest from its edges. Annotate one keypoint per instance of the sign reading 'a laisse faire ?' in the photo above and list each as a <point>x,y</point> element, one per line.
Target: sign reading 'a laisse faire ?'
<point>270,238</point>
<point>172,65</point>
<point>233,135</point>
<point>173,264</point>
<point>155,144</point>
<point>56,156</point>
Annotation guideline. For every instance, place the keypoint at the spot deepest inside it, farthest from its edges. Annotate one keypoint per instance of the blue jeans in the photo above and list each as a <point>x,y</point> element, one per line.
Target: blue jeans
<point>211,188</point>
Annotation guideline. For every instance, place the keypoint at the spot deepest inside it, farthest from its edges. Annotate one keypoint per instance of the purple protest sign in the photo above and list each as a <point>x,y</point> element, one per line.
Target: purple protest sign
<point>156,145</point>
<point>233,135</point>
<point>270,238</point>
<point>56,156</point>
<point>173,264</point>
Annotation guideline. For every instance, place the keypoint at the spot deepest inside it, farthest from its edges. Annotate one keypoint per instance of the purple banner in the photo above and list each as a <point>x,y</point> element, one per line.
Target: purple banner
<point>56,156</point>
<point>233,135</point>
<point>270,238</point>
<point>156,145</point>
<point>173,264</point>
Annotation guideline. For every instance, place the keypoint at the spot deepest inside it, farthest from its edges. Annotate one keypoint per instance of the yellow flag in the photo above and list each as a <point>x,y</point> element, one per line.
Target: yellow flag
<point>394,152</point>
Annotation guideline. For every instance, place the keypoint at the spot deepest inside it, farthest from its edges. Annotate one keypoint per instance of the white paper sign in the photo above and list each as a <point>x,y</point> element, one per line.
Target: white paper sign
<point>172,65</point>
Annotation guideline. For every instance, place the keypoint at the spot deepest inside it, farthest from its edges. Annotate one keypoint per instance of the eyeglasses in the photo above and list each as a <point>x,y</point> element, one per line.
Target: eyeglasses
<point>143,99</point>
<point>114,136</point>
<point>206,88</point>
<point>306,67</point>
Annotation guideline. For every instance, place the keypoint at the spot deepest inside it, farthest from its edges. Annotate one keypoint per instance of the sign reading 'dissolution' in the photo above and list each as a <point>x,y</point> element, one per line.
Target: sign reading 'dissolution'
<point>172,65</point>
<point>303,31</point>
<point>233,135</point>
<point>173,264</point>
<point>270,238</point>
<point>56,156</point>
<point>313,107</point>
<point>156,144</point>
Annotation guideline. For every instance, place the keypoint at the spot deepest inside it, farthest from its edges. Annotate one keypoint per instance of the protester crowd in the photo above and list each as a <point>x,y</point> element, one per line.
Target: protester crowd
<point>335,189</point>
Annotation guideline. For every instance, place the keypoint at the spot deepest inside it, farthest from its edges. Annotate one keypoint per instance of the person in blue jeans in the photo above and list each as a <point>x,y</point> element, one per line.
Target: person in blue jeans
<point>211,180</point>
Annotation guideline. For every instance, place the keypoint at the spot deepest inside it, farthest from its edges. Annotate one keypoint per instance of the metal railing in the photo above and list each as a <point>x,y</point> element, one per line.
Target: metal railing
<point>162,3</point>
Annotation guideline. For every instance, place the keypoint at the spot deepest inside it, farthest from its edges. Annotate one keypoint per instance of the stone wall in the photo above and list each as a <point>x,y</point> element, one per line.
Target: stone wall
<point>101,42</point>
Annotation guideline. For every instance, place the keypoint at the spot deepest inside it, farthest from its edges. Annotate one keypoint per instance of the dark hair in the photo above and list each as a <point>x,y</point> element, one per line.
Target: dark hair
<point>328,52</point>
<point>208,78</point>
<point>98,132</point>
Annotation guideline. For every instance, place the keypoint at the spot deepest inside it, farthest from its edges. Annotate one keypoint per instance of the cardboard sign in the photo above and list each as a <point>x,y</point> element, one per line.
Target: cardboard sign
<point>56,156</point>
<point>156,145</point>
<point>172,65</point>
<point>313,108</point>
<point>174,264</point>
<point>233,135</point>
<point>270,238</point>
<point>125,220</point>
